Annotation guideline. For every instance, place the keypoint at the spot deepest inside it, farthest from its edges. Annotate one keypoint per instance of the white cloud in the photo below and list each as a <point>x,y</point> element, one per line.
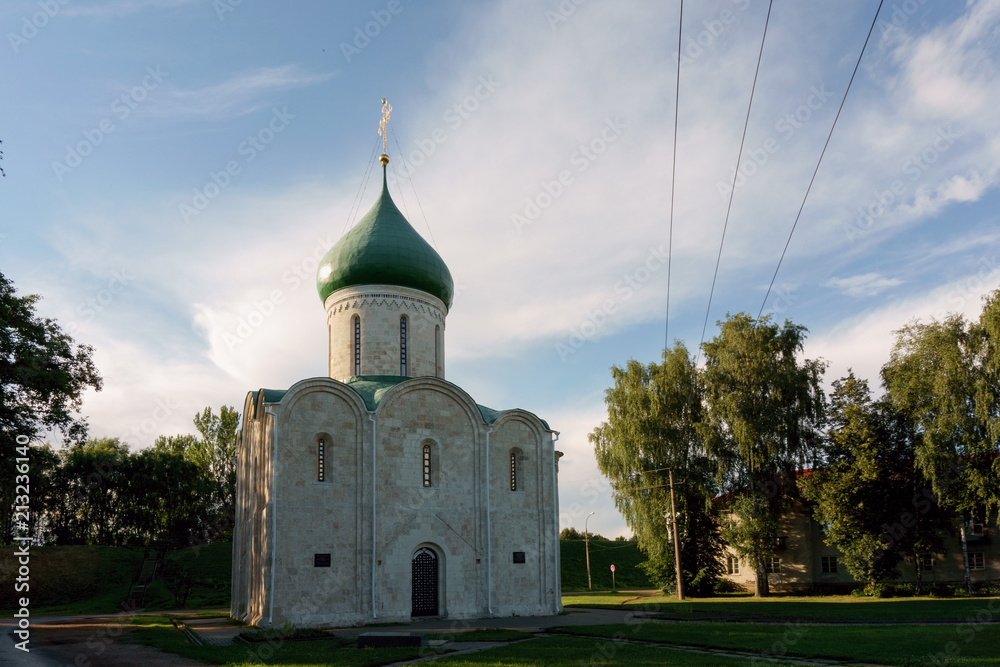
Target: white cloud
<point>864,342</point>
<point>122,8</point>
<point>867,284</point>
<point>237,95</point>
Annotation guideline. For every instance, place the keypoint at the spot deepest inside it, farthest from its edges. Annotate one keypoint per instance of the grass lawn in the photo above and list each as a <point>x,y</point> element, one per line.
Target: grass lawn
<point>829,607</point>
<point>484,635</point>
<point>159,632</point>
<point>625,556</point>
<point>71,580</point>
<point>965,645</point>
<point>198,577</point>
<point>559,651</point>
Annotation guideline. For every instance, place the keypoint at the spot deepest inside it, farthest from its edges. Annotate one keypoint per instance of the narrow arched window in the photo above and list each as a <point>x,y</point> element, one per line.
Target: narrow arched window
<point>321,460</point>
<point>437,350</point>
<point>357,345</point>
<point>513,471</point>
<point>402,345</point>
<point>427,465</point>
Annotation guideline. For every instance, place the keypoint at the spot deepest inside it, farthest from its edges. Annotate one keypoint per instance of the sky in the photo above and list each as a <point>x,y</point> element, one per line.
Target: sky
<point>175,169</point>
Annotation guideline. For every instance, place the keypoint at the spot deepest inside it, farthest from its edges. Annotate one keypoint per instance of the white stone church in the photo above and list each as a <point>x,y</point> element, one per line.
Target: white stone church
<point>383,492</point>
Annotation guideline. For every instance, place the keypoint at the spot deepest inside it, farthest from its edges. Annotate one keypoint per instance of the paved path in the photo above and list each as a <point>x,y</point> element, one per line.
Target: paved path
<point>522,623</point>
<point>214,631</point>
<point>9,655</point>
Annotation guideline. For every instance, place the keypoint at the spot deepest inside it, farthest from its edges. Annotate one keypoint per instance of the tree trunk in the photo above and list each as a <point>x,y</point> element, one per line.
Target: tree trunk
<point>761,588</point>
<point>920,573</point>
<point>965,557</point>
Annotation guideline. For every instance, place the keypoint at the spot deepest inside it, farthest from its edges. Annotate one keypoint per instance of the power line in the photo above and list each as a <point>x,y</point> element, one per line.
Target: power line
<point>673,177</point>
<point>818,162</point>
<point>732,191</point>
<point>413,186</point>
<point>362,187</point>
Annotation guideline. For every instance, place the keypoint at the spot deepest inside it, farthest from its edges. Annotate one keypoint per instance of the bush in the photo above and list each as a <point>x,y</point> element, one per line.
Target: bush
<point>723,585</point>
<point>703,583</point>
<point>904,590</point>
<point>879,590</point>
<point>883,591</point>
<point>986,588</point>
<point>941,591</point>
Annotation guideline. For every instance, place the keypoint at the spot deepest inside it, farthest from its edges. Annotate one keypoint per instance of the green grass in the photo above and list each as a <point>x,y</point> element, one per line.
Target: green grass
<point>259,635</point>
<point>816,608</point>
<point>199,577</point>
<point>969,644</point>
<point>625,556</point>
<point>559,651</point>
<point>485,635</point>
<point>72,579</point>
<point>159,632</point>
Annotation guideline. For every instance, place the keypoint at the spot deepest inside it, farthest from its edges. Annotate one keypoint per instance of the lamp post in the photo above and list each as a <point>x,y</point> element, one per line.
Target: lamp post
<point>586,543</point>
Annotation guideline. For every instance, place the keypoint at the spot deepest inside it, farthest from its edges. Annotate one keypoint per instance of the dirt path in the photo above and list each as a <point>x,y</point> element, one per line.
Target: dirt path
<point>99,641</point>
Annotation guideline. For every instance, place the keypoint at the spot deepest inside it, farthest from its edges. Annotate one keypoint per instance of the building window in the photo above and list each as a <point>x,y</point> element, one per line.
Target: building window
<point>427,465</point>
<point>773,565</point>
<point>513,472</point>
<point>927,563</point>
<point>976,560</point>
<point>437,350</point>
<point>732,565</point>
<point>829,564</point>
<point>357,345</point>
<point>976,528</point>
<point>402,345</point>
<point>321,460</point>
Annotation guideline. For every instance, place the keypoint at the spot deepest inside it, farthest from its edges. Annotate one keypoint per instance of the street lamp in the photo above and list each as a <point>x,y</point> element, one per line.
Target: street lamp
<point>586,543</point>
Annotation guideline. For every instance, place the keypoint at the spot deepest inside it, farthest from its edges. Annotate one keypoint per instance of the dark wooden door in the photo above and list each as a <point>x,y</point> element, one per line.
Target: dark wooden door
<point>425,583</point>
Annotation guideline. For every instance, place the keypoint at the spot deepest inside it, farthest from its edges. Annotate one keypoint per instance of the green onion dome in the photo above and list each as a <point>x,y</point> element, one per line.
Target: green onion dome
<point>384,249</point>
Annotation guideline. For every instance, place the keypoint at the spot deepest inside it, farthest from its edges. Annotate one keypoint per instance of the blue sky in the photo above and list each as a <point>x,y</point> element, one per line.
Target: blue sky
<point>175,168</point>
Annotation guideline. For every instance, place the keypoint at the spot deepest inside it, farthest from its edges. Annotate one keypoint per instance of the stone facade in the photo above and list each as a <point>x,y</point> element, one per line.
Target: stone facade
<point>469,516</point>
<point>383,491</point>
<point>379,309</point>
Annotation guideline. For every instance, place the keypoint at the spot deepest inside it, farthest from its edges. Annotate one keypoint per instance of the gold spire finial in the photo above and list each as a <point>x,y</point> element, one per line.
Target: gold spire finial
<point>386,110</point>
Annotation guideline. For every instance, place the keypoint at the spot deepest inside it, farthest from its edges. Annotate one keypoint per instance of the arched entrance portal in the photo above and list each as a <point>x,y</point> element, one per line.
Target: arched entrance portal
<point>425,583</point>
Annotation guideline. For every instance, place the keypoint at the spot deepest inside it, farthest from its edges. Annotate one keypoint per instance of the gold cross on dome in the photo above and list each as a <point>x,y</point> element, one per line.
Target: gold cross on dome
<point>386,110</point>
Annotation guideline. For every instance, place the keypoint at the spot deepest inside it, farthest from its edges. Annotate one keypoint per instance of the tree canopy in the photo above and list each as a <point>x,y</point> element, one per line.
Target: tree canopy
<point>43,377</point>
<point>652,428</point>
<point>764,414</point>
<point>876,505</point>
<point>943,374</point>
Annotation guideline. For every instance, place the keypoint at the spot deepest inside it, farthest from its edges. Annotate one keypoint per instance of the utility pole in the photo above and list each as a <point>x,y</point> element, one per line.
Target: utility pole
<point>586,544</point>
<point>677,541</point>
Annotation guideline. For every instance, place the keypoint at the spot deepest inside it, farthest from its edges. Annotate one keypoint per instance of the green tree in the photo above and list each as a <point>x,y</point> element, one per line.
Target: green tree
<point>45,493</point>
<point>217,451</point>
<point>653,413</point>
<point>93,476</point>
<point>43,376</point>
<point>764,411</point>
<point>169,498</point>
<point>942,374</point>
<point>877,506</point>
<point>215,455</point>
